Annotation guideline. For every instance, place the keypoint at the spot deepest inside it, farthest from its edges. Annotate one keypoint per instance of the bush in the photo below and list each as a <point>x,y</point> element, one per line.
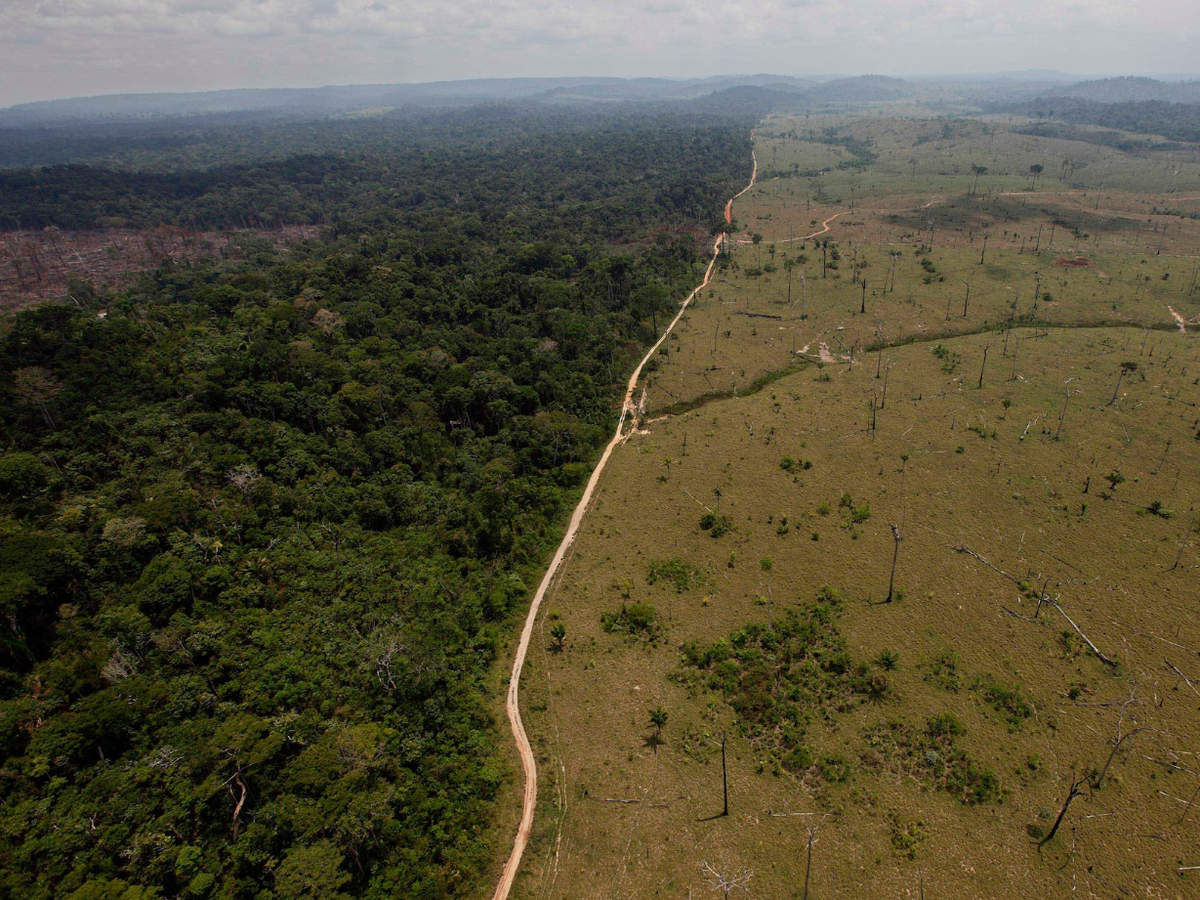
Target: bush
<point>715,524</point>
<point>943,725</point>
<point>635,619</point>
<point>1004,698</point>
<point>943,672</point>
<point>675,572</point>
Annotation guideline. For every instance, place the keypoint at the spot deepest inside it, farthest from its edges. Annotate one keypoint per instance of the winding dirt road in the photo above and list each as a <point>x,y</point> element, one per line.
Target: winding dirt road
<point>825,227</point>
<point>512,705</point>
<point>729,202</point>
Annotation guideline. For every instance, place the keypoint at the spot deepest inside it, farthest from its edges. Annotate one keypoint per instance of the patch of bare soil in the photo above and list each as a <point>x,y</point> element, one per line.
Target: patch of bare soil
<point>1079,262</point>
<point>35,266</point>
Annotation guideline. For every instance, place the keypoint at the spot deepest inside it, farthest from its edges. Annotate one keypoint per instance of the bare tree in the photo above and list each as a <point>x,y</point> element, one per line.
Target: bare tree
<point>895,556</point>
<point>1126,367</point>
<point>1075,791</point>
<point>727,883</point>
<point>724,779</point>
<point>1183,546</point>
<point>813,825</point>
<point>1122,736</point>
<point>233,754</point>
<point>1067,399</point>
<point>244,478</point>
<point>986,348</point>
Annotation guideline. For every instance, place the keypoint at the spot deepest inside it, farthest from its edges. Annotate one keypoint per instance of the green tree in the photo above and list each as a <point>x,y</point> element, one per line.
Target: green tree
<point>312,873</point>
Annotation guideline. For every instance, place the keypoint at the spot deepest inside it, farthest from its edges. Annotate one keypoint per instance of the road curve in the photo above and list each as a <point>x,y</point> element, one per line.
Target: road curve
<point>512,706</point>
<point>808,237</point>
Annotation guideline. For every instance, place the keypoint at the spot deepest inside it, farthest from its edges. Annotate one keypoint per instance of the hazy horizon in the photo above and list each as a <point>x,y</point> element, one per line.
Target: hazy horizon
<point>57,49</point>
<point>1065,76</point>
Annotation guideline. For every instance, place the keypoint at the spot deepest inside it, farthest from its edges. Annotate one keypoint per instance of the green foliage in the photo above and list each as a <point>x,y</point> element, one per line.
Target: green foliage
<point>943,672</point>
<point>558,632</point>
<point>1179,121</point>
<point>906,836</point>
<point>931,756</point>
<point>1006,699</point>
<point>676,573</point>
<point>639,620</point>
<point>950,359</point>
<point>779,680</point>
<point>23,477</point>
<point>794,465</point>
<point>271,520</point>
<point>887,660</point>
<point>715,524</point>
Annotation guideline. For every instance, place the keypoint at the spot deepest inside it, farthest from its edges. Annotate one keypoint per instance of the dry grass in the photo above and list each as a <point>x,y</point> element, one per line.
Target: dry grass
<point>955,470</point>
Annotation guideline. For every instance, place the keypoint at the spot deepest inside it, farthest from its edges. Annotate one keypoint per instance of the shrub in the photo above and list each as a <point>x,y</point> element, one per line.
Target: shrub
<point>674,572</point>
<point>635,619</point>
<point>715,524</point>
<point>943,672</point>
<point>1004,698</point>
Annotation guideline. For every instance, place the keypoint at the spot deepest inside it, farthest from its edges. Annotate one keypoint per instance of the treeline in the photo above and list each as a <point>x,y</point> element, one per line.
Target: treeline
<point>176,144</point>
<point>1177,121</point>
<point>577,180</point>
<point>264,529</point>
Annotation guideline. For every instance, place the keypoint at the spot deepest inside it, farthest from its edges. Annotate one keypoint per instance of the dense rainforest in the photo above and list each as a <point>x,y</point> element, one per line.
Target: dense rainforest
<point>266,526</point>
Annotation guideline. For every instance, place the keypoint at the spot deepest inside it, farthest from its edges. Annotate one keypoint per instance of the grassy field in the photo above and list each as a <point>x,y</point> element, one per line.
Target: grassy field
<point>1028,472</point>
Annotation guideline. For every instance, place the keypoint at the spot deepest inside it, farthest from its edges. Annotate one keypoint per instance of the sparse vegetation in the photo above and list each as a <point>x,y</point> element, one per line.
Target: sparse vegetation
<point>637,620</point>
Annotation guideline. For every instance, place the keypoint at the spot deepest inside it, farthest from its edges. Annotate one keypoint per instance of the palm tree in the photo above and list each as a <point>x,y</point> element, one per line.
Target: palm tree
<point>978,170</point>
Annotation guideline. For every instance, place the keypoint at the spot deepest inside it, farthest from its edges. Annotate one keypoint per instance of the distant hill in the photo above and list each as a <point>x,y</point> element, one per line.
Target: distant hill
<point>343,99</point>
<point>649,89</point>
<point>860,89</point>
<point>350,98</point>
<point>751,98</point>
<point>288,101</point>
<point>1131,89</point>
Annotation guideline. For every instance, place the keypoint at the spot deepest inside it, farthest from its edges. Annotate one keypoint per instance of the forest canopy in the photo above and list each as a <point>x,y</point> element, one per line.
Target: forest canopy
<point>265,526</point>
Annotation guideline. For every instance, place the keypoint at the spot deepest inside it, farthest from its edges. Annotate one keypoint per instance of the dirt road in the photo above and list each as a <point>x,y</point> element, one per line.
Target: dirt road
<point>512,705</point>
<point>753,178</point>
<point>808,237</point>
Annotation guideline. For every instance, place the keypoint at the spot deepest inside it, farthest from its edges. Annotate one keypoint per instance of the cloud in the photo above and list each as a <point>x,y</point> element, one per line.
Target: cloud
<point>72,47</point>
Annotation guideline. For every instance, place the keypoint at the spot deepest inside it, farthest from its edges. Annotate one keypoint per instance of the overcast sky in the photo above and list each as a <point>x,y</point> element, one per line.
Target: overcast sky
<point>64,48</point>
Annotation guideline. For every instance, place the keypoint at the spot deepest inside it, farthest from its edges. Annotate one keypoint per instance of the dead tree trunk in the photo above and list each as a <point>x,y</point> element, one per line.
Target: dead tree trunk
<point>1076,784</point>
<point>895,556</point>
<point>1186,535</point>
<point>724,779</point>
